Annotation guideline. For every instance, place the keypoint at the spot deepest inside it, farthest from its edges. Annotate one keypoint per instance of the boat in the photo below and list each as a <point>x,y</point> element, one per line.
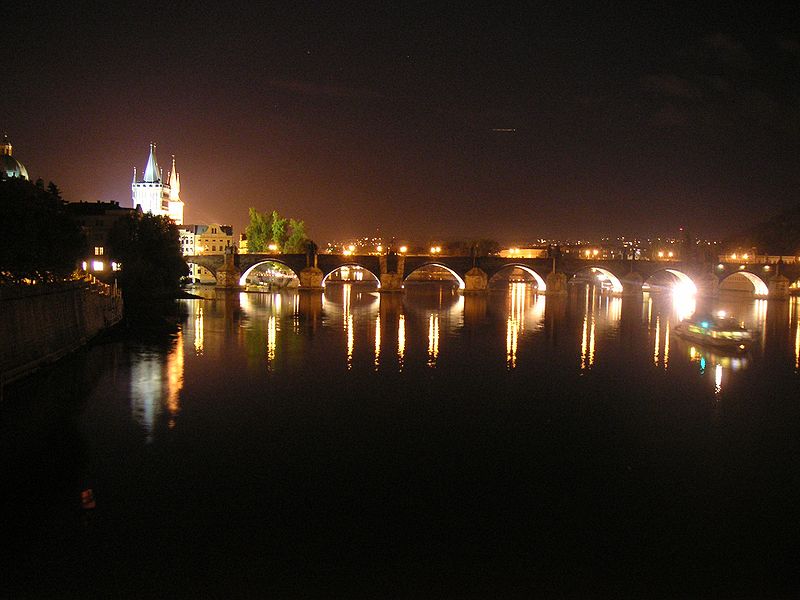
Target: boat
<point>716,331</point>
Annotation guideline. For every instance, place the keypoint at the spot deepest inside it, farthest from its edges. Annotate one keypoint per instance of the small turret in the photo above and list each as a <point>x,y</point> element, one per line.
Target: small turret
<point>174,182</point>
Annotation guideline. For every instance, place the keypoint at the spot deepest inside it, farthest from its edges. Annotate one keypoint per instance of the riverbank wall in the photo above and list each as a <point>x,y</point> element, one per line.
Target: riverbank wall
<point>41,323</point>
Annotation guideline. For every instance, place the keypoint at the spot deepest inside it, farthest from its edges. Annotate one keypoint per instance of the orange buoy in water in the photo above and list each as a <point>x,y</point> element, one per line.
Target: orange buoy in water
<point>87,499</point>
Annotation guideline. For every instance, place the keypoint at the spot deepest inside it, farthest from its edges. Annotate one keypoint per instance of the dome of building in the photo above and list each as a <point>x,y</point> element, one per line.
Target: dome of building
<point>10,166</point>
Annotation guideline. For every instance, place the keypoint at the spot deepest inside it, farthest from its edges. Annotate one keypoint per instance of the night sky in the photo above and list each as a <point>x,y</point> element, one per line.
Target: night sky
<point>625,121</point>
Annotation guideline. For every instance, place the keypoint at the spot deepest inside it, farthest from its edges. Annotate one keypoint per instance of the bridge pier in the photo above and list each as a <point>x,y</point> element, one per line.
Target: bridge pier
<point>778,287</point>
<point>229,274</point>
<point>707,284</point>
<point>476,280</point>
<point>311,279</point>
<point>556,284</point>
<point>632,284</point>
<point>391,275</point>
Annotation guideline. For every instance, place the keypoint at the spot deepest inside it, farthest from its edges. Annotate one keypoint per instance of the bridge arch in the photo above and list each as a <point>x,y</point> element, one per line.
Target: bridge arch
<point>684,285</point>
<point>461,283</point>
<point>602,275</point>
<point>351,264</point>
<point>760,288</point>
<point>246,273</point>
<point>541,286</point>
<point>200,273</point>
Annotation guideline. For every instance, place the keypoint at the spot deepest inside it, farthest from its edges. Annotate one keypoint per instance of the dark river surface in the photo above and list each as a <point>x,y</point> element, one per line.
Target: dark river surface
<point>424,445</point>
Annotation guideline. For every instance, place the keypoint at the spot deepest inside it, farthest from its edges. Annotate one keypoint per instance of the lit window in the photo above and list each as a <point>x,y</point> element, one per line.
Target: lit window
<point>97,265</point>
<point>213,248</point>
<point>98,251</point>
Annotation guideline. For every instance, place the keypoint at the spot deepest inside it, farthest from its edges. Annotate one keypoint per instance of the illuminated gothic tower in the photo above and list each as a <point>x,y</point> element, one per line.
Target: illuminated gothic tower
<point>153,194</point>
<point>175,202</point>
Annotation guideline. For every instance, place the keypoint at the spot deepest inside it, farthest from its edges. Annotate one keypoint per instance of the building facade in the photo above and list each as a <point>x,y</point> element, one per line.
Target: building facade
<point>96,220</point>
<point>204,239</point>
<point>156,195</point>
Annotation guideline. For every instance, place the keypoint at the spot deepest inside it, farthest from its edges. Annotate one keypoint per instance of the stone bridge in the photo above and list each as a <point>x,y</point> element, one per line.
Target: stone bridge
<point>620,277</point>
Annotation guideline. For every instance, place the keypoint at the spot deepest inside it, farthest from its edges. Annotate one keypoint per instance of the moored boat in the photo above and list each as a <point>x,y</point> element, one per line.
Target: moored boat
<point>718,331</point>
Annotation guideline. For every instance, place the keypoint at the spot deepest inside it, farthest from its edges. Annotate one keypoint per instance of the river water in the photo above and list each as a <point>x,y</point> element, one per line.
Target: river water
<point>424,445</point>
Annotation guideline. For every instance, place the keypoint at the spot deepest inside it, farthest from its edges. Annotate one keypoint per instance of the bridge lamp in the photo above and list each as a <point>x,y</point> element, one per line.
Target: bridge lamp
<point>595,252</point>
<point>379,248</point>
<point>661,254</point>
<point>733,256</point>
<point>744,256</point>
<point>720,266</point>
<point>766,267</point>
<point>272,247</point>
<point>351,247</point>
<point>670,254</point>
<point>403,249</point>
<point>587,253</point>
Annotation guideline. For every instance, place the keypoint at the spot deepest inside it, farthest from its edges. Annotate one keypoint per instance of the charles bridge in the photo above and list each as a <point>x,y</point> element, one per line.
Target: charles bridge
<point>621,277</point>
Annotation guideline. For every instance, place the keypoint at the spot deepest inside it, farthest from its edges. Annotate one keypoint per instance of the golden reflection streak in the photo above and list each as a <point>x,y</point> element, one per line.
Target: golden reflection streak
<point>585,332</point>
<point>347,323</point>
<point>511,343</point>
<point>175,380</point>
<point>350,342</point>
<point>272,336</point>
<point>666,344</point>
<point>401,341</point>
<point>658,340</point>
<point>588,333</point>
<point>584,341</point>
<point>615,309</point>
<point>761,320</point>
<point>794,311</point>
<point>515,324</point>
<point>377,340</point>
<point>198,332</point>
<point>433,339</point>
<point>717,379</point>
<point>797,346</point>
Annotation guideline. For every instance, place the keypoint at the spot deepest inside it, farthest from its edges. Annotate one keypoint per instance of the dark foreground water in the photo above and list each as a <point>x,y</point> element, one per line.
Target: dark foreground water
<point>429,445</point>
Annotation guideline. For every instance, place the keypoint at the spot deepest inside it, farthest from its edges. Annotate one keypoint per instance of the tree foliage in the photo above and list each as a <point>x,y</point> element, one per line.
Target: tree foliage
<point>39,240</point>
<point>289,235</point>
<point>148,247</point>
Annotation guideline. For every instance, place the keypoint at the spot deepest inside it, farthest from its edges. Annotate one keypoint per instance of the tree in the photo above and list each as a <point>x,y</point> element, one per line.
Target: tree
<point>279,233</point>
<point>258,231</point>
<point>39,240</point>
<point>289,235</point>
<point>148,247</point>
<point>297,241</point>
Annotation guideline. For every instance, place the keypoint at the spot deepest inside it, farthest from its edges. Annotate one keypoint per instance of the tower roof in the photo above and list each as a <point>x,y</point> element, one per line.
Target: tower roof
<point>152,174</point>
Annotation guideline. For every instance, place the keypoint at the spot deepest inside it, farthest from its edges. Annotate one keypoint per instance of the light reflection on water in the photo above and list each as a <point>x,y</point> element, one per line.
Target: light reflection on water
<point>430,327</point>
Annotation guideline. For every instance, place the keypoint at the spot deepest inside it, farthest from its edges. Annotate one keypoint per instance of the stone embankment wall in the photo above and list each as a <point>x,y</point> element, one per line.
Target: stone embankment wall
<point>41,323</point>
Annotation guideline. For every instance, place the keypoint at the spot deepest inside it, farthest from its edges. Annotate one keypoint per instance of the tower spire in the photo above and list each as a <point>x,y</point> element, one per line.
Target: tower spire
<point>174,182</point>
<point>152,173</point>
